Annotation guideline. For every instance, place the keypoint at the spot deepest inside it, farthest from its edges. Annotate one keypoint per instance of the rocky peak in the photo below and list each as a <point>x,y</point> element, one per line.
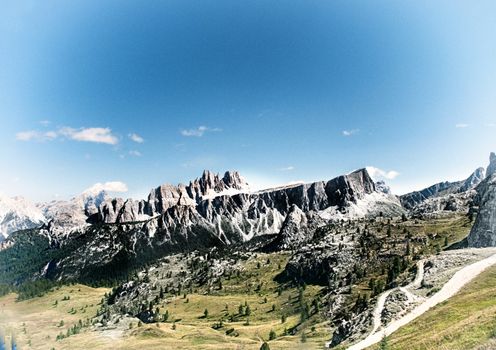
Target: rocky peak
<point>473,180</point>
<point>91,201</point>
<point>349,188</point>
<point>233,179</point>
<point>491,169</point>
<point>209,184</point>
<point>382,187</point>
<point>16,214</point>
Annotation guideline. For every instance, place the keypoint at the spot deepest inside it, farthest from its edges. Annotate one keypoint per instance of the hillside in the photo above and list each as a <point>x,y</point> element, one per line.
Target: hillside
<point>465,321</point>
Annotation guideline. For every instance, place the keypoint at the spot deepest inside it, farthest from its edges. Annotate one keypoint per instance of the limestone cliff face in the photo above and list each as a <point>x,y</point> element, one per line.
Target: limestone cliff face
<point>224,206</point>
<point>483,233</point>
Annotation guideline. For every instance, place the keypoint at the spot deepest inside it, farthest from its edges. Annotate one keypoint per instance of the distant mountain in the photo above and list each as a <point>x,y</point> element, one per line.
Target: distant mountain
<point>63,216</point>
<point>16,214</point>
<point>443,195</point>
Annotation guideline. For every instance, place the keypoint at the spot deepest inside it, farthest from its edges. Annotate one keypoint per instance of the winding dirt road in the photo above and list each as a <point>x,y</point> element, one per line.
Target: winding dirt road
<point>459,279</point>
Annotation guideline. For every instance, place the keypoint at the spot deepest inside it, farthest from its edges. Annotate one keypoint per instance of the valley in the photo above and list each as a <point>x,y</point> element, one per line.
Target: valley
<point>212,265</point>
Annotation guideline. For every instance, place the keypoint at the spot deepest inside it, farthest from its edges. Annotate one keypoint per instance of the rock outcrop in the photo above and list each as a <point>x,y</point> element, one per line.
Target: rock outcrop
<point>491,169</point>
<point>483,233</point>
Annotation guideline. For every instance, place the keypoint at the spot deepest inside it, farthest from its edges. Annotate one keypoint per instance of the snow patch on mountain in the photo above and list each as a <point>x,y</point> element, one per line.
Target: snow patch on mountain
<point>66,215</point>
<point>371,205</point>
<point>16,214</point>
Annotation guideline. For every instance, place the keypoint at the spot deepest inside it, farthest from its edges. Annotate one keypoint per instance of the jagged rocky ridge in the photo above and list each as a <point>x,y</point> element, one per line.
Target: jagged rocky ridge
<point>225,207</point>
<point>443,198</point>
<point>410,200</point>
<point>210,211</point>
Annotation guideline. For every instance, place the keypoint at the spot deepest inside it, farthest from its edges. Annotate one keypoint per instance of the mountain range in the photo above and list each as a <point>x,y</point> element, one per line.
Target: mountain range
<point>335,235</point>
<point>94,232</point>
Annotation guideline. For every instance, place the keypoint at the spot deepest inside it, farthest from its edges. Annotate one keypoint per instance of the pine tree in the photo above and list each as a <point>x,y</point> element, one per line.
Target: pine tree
<point>383,345</point>
<point>272,335</point>
<point>303,337</point>
<point>265,346</point>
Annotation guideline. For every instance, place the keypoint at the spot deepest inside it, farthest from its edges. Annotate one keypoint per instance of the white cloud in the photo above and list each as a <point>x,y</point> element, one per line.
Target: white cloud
<point>350,132</point>
<point>111,186</point>
<point>199,131</point>
<point>44,122</point>
<point>288,168</point>
<point>491,125</point>
<point>136,138</point>
<point>378,174</point>
<point>135,153</point>
<point>461,125</point>
<point>34,135</point>
<point>98,135</point>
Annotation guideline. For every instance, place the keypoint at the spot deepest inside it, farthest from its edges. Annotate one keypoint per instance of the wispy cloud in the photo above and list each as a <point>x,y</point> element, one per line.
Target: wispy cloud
<point>45,122</point>
<point>461,125</point>
<point>288,168</point>
<point>98,135</point>
<point>199,131</point>
<point>377,173</point>
<point>135,153</point>
<point>136,138</point>
<point>111,186</point>
<point>491,125</point>
<point>33,135</point>
<point>351,132</point>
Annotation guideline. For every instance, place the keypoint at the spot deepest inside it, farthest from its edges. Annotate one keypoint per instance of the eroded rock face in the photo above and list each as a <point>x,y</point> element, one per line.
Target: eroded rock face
<point>224,206</point>
<point>473,180</point>
<point>483,233</point>
<point>491,169</point>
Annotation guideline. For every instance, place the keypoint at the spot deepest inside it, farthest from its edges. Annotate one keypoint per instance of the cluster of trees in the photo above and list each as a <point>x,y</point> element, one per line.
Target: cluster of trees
<point>4,289</point>
<point>75,329</point>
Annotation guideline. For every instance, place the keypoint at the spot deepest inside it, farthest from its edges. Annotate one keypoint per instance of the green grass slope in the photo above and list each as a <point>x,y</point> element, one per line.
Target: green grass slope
<point>465,321</point>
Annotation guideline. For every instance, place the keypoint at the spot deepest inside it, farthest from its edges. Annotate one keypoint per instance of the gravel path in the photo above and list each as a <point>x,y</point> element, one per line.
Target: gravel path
<point>459,279</point>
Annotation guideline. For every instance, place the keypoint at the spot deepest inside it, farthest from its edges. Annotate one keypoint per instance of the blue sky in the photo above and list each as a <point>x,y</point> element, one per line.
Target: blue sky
<point>152,92</point>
